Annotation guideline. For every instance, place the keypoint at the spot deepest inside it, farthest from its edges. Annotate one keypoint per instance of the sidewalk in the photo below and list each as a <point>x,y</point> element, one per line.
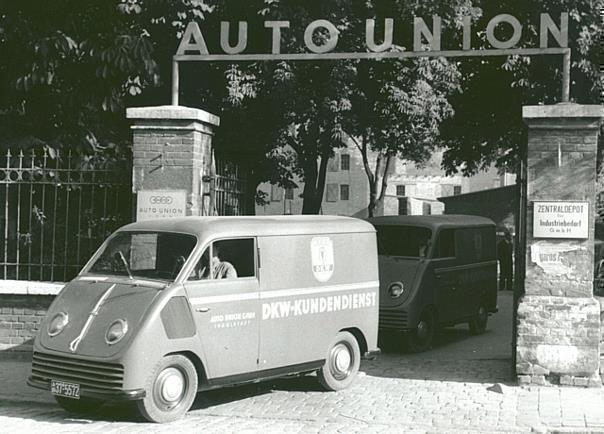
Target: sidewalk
<point>389,396</point>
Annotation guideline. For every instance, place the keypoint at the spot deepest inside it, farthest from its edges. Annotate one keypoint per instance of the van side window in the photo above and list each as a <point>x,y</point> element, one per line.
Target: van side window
<point>445,245</point>
<point>408,241</point>
<point>230,259</point>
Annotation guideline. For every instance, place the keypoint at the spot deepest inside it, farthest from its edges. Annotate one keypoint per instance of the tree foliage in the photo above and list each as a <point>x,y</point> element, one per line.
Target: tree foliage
<point>70,68</point>
<point>487,127</point>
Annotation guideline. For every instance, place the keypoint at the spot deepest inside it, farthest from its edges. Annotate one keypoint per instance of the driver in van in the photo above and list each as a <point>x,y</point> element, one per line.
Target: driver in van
<point>222,269</point>
<point>423,243</point>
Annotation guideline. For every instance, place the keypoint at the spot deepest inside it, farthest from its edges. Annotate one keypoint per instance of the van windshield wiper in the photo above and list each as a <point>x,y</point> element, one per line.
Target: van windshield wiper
<point>122,259</point>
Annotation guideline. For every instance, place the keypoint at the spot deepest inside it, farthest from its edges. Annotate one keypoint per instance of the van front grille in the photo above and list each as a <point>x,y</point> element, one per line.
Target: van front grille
<point>96,375</point>
<point>393,319</point>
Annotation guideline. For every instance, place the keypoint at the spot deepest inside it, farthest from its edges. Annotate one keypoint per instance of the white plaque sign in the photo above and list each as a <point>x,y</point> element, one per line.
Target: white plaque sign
<point>560,219</point>
<point>157,204</point>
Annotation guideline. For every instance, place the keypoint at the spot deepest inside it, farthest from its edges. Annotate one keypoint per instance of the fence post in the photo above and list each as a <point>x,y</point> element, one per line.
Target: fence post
<point>172,150</point>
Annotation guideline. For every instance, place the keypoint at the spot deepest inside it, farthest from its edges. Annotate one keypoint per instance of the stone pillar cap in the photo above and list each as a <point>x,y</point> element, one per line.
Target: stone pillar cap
<point>174,112</point>
<point>562,110</point>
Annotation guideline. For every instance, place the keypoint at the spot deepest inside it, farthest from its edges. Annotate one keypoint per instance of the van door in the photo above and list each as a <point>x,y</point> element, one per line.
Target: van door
<point>224,295</point>
<point>447,297</point>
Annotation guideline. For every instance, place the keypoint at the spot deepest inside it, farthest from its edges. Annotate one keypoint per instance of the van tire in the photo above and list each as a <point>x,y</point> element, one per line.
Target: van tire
<point>478,324</point>
<point>158,406</point>
<point>420,339</point>
<point>79,406</point>
<point>342,362</point>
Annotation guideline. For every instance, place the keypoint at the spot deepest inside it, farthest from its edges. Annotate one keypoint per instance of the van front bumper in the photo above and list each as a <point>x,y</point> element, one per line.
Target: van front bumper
<point>89,392</point>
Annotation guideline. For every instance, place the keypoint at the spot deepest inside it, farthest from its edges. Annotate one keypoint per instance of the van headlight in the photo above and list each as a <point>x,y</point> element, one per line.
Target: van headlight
<point>57,324</point>
<point>396,289</point>
<point>116,331</point>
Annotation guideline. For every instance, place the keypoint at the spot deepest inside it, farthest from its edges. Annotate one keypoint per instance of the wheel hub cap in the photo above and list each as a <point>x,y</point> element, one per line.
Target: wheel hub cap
<point>342,360</point>
<point>422,330</point>
<point>171,385</point>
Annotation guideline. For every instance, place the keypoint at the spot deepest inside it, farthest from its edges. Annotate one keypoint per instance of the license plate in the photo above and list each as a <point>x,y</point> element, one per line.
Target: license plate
<point>68,390</point>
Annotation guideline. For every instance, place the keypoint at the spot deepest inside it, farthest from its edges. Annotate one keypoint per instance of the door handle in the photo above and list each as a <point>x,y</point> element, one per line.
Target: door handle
<point>202,309</point>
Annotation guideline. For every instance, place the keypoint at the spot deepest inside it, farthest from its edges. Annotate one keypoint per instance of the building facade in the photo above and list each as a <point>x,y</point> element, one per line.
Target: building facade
<point>411,190</point>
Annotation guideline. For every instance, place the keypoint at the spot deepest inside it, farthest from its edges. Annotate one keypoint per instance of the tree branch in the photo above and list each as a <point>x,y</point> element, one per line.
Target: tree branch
<point>363,149</point>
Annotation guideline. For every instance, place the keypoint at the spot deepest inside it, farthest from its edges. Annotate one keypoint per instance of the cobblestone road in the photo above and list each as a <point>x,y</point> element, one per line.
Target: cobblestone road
<point>463,385</point>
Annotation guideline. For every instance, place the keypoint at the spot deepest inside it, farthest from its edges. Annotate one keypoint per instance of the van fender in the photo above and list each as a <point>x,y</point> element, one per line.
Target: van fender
<point>202,378</point>
<point>362,341</point>
<point>152,343</point>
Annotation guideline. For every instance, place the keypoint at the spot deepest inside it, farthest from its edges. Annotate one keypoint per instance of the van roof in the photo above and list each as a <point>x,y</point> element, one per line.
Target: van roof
<point>432,221</point>
<point>216,226</point>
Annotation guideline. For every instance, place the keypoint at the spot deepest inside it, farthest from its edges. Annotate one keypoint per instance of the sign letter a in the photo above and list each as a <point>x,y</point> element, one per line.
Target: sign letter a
<point>198,44</point>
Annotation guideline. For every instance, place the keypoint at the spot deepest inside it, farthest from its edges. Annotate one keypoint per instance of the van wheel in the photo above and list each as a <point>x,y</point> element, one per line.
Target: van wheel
<point>342,363</point>
<point>80,406</point>
<point>478,324</point>
<point>420,339</point>
<point>170,390</point>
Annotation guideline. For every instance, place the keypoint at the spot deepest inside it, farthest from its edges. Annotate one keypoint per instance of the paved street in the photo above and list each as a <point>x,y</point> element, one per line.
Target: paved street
<point>463,384</point>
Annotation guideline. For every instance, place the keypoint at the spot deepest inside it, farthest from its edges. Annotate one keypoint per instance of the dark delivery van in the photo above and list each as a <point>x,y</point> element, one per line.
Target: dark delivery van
<point>435,271</point>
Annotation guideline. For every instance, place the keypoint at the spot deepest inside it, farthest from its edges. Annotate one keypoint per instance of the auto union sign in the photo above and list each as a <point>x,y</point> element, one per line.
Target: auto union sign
<point>426,42</point>
<point>193,43</point>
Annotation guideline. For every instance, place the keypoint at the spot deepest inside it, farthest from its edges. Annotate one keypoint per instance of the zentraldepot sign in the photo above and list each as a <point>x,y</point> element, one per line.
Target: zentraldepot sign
<point>561,219</point>
<point>193,43</point>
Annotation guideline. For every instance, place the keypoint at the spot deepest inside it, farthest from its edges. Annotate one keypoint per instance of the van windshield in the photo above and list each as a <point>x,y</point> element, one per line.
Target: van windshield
<point>410,241</point>
<point>148,255</point>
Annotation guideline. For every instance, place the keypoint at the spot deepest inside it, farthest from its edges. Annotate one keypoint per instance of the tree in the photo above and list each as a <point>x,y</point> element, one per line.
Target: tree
<point>487,126</point>
<point>391,107</point>
<point>75,66</point>
<point>396,113</point>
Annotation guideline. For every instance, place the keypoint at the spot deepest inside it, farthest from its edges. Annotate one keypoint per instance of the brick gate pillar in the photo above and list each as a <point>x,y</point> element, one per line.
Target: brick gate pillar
<point>172,150</point>
<point>558,318</point>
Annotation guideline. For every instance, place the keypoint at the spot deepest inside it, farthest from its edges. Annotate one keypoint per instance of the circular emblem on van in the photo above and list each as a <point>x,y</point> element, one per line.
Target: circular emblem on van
<point>321,250</point>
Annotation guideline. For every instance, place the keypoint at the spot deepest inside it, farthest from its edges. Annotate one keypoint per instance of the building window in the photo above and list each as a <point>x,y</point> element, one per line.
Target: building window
<point>402,206</point>
<point>276,193</point>
<point>344,192</point>
<point>400,190</point>
<point>333,164</point>
<point>331,195</point>
<point>456,190</point>
<point>344,162</point>
<point>289,194</point>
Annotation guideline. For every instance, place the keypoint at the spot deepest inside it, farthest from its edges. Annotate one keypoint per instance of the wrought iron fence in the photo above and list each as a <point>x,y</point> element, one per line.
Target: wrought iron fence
<point>58,208</point>
<point>229,189</point>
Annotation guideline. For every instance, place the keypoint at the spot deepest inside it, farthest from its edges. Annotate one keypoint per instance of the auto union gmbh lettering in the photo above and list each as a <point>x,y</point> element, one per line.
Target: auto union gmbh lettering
<point>321,252</point>
<point>238,319</point>
<point>152,204</point>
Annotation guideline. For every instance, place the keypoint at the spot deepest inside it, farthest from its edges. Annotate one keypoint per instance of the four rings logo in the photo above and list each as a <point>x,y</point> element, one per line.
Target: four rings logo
<point>164,200</point>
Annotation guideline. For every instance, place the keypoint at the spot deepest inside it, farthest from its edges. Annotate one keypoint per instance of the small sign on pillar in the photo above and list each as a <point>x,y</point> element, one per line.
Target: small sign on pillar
<point>154,204</point>
<point>561,219</point>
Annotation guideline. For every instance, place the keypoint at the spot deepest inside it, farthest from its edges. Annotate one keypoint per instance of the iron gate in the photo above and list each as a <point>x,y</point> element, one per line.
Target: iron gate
<point>58,208</point>
<point>229,189</point>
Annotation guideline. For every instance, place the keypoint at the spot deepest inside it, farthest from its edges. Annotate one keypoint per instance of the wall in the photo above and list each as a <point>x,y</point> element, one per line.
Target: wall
<point>23,305</point>
<point>20,317</point>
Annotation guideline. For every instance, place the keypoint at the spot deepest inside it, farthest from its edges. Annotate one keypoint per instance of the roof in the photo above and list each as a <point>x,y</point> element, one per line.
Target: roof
<point>509,189</point>
<point>234,226</point>
<point>432,221</point>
